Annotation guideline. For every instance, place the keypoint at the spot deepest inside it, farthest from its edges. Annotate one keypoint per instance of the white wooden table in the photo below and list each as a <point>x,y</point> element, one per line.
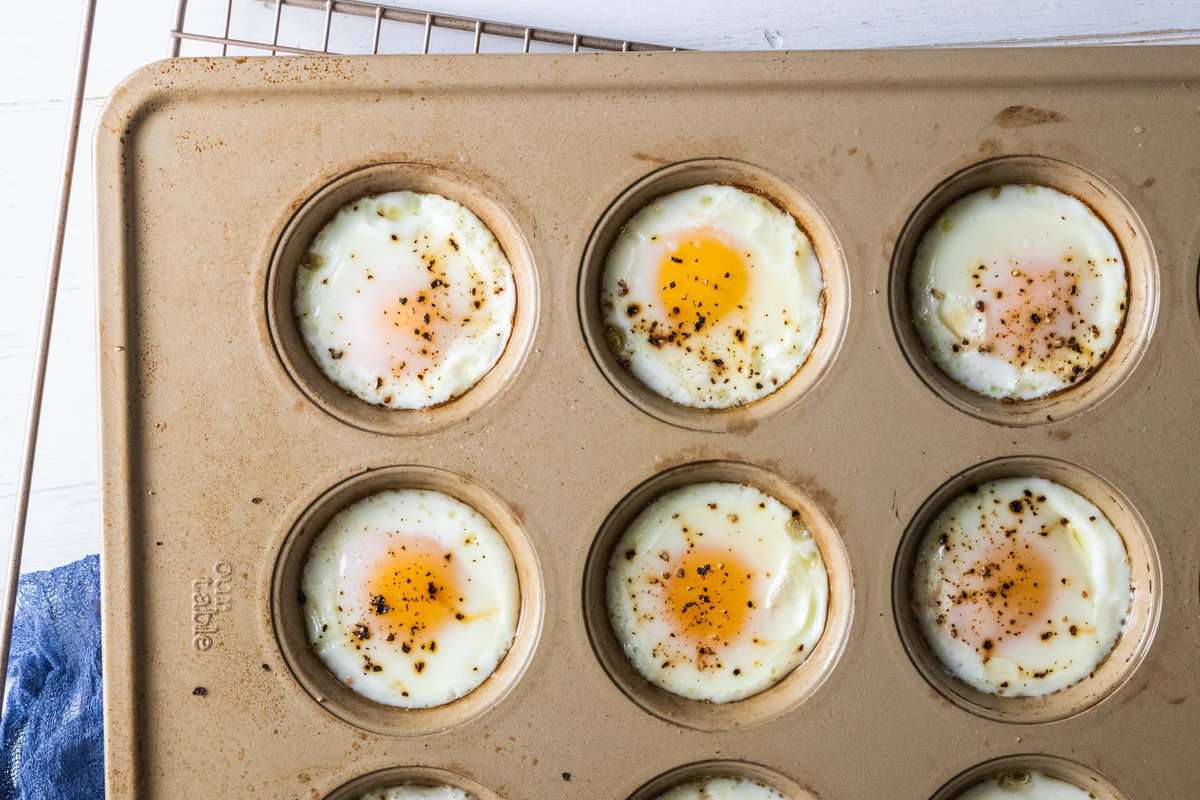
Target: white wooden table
<point>37,42</point>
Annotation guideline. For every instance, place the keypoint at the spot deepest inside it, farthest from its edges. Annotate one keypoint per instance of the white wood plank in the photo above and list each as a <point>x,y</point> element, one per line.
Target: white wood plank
<point>37,44</point>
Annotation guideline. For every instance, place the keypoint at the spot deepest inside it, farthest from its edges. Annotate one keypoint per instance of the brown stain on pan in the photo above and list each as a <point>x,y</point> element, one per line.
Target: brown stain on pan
<point>1019,116</point>
<point>1134,692</point>
<point>744,425</point>
<point>809,484</point>
<point>990,148</point>
<point>652,159</point>
<point>517,511</point>
<point>692,453</point>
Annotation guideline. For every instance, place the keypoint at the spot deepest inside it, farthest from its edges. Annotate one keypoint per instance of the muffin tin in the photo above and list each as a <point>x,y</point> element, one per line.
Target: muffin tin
<point>225,449</point>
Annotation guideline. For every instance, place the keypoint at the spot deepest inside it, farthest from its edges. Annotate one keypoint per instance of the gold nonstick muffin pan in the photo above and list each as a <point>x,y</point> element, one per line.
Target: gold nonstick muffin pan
<point>226,450</point>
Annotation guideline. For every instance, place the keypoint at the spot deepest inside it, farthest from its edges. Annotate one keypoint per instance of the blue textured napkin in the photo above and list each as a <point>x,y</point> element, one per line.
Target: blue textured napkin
<point>53,732</point>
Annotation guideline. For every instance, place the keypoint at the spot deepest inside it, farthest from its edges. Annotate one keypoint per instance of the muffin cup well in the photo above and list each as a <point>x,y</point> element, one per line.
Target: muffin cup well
<point>1141,275</point>
<point>751,178</point>
<point>722,769</point>
<point>289,252</point>
<point>1140,623</point>
<point>768,704</point>
<point>338,698</point>
<point>419,776</point>
<point>1098,786</point>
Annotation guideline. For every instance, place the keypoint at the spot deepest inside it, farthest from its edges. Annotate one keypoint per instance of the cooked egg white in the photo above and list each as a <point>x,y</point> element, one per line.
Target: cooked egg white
<point>1018,292</point>
<point>1021,587</point>
<point>1025,785</point>
<point>712,296</point>
<point>721,789</point>
<point>405,300</point>
<point>717,591</point>
<point>411,791</point>
<point>411,597</point>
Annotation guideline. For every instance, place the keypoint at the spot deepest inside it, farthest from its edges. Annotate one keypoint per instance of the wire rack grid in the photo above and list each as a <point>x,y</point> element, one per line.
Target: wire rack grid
<point>277,28</point>
<point>359,27</point>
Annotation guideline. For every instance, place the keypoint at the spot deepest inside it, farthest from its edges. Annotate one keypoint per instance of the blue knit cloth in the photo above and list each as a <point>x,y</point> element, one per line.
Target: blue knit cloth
<point>53,732</point>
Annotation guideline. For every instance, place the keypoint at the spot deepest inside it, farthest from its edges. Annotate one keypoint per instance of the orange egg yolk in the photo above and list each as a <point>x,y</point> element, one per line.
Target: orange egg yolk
<point>1000,596</point>
<point>708,596</point>
<point>1031,311</point>
<point>701,280</point>
<point>413,592</point>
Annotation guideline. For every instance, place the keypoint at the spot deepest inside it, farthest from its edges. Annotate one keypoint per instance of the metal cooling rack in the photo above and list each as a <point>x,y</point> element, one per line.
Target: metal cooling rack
<point>380,18</point>
<point>281,27</point>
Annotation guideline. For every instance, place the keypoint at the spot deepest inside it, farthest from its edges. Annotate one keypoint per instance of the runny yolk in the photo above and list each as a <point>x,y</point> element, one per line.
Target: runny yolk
<point>1000,596</point>
<point>1032,311</point>
<point>701,279</point>
<point>708,596</point>
<point>413,591</point>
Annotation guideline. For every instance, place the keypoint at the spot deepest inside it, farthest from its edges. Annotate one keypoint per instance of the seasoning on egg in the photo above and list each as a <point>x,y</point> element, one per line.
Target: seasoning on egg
<point>692,612</point>
<point>411,596</point>
<point>1007,577</point>
<point>1020,293</point>
<point>405,327</point>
